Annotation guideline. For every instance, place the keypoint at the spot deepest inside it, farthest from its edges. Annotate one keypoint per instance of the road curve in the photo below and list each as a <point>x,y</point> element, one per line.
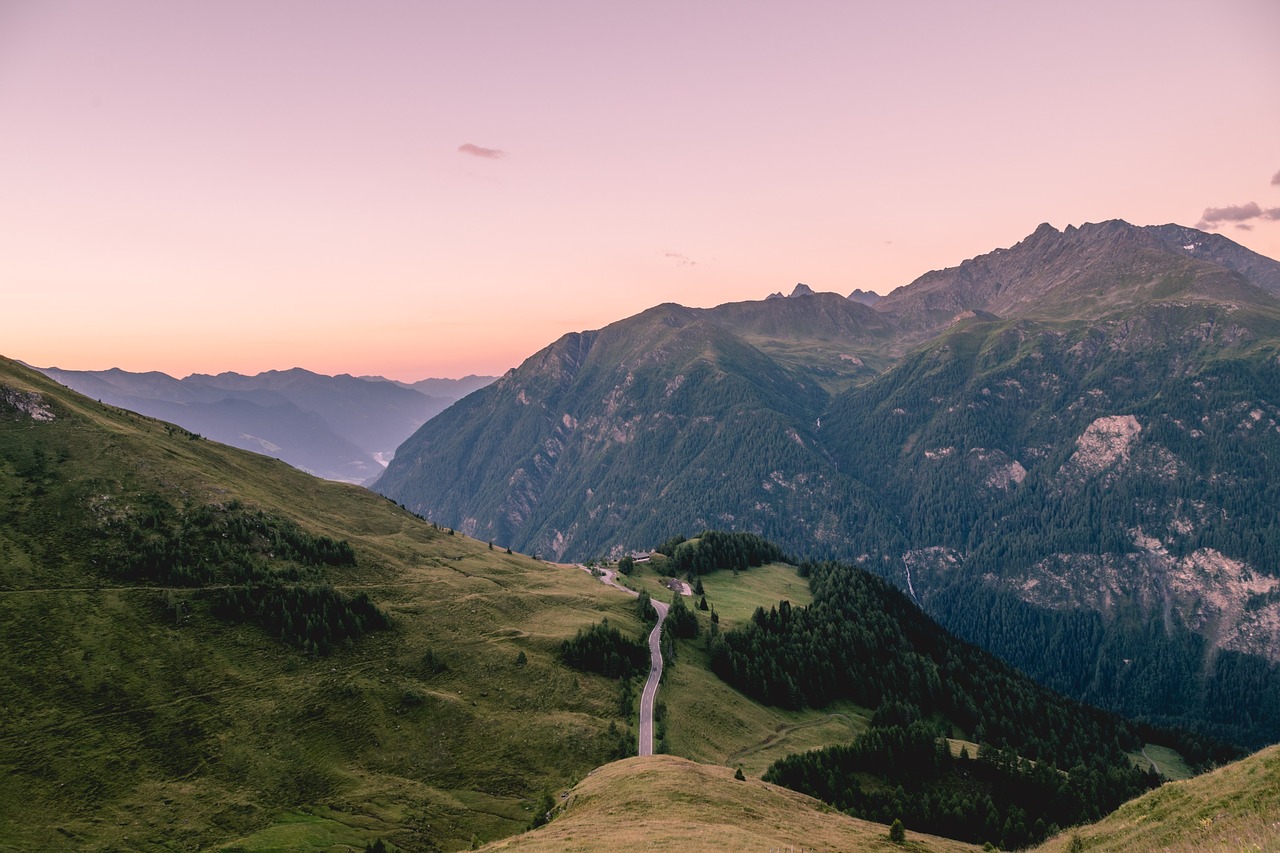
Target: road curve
<point>650,693</point>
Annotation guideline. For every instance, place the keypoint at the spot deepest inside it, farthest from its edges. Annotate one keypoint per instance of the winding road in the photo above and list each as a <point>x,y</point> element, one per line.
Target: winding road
<point>650,694</point>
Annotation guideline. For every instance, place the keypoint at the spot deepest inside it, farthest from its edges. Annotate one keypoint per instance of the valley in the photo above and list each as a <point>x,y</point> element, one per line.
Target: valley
<point>1069,471</point>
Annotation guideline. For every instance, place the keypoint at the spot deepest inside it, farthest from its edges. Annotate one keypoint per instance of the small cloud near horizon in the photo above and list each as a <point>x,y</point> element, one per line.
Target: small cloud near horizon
<point>1275,180</point>
<point>1239,214</point>
<point>682,260</point>
<point>481,151</point>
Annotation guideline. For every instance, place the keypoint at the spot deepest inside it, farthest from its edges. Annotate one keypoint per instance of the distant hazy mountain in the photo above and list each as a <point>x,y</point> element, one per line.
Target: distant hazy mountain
<point>454,389</point>
<point>866,297</point>
<point>336,427</point>
<point>1067,450</point>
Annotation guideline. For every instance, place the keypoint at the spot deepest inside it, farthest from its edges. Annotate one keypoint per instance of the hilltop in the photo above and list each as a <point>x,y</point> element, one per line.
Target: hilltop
<point>666,803</point>
<point>646,802</point>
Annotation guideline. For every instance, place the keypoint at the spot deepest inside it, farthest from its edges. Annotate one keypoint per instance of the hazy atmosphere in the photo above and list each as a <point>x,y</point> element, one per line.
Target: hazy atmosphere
<point>438,188</point>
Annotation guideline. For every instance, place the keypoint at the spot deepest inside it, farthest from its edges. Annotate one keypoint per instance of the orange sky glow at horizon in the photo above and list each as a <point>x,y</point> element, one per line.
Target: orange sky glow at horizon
<point>443,188</point>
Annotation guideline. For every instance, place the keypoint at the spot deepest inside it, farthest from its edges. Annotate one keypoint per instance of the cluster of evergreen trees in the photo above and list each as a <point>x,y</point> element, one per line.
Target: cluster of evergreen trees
<point>213,544</point>
<point>1047,761</point>
<point>681,622</point>
<point>718,549</point>
<point>865,641</point>
<point>312,618</point>
<point>907,771</point>
<point>602,648</point>
<point>262,569</point>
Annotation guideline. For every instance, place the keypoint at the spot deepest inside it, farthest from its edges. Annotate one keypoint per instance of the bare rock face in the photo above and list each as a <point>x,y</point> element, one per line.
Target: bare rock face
<point>1222,598</point>
<point>27,404</point>
<point>1104,444</point>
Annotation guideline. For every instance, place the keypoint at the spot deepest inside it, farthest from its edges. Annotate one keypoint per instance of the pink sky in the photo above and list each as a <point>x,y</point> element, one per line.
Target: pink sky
<point>437,188</point>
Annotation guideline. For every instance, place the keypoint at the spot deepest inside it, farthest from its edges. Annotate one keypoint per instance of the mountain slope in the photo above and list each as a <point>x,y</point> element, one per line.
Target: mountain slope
<point>605,437</point>
<point>1236,807</point>
<point>1099,485</point>
<point>155,699</point>
<point>1090,409</point>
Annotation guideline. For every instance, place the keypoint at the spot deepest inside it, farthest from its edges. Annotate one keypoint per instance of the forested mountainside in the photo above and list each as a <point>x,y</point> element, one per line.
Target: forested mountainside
<point>1069,446</point>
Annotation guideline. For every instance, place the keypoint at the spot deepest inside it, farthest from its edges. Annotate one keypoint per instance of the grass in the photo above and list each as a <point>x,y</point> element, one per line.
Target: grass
<point>1169,763</point>
<point>130,727</point>
<point>734,598</point>
<point>1236,807</point>
<point>666,803</point>
<point>711,722</point>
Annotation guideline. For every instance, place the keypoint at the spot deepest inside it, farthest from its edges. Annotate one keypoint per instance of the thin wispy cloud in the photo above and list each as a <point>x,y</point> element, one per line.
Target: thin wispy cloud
<point>1275,180</point>
<point>481,151</point>
<point>682,260</point>
<point>1238,214</point>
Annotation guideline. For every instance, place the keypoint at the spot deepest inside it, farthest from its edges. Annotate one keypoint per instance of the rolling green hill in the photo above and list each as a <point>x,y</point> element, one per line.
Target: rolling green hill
<point>143,712</point>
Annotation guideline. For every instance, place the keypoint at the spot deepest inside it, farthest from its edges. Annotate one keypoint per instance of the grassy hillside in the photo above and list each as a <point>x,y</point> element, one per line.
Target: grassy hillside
<point>137,718</point>
<point>1236,807</point>
<point>665,803</point>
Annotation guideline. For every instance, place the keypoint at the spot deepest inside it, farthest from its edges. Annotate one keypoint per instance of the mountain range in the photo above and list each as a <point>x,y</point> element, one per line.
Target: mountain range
<point>203,647</point>
<point>1066,451</point>
<point>336,427</point>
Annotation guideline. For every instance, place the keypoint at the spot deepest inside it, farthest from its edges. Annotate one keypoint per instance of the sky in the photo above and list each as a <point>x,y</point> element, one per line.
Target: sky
<point>424,188</point>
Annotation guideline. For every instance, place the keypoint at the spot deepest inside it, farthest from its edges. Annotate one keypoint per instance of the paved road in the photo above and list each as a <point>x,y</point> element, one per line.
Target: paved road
<point>650,694</point>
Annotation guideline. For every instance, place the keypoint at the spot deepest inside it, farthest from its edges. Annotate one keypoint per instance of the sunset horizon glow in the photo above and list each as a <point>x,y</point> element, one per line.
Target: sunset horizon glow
<point>437,189</point>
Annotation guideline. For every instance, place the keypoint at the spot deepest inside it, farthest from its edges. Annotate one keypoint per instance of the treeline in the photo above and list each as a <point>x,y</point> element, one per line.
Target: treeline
<point>865,641</point>
<point>718,549</point>
<point>602,648</point>
<point>995,796</point>
<point>312,618</point>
